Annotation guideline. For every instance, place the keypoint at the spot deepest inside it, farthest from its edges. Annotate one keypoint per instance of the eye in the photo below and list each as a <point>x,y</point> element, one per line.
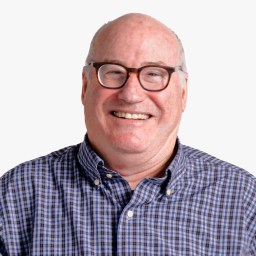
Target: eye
<point>153,73</point>
<point>112,71</point>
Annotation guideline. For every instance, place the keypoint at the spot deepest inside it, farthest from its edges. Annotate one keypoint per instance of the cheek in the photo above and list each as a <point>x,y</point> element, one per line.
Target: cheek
<point>95,100</point>
<point>170,105</point>
<point>90,104</point>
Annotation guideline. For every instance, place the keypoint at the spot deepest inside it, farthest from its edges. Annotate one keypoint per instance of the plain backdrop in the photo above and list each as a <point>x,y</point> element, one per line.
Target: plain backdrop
<point>42,51</point>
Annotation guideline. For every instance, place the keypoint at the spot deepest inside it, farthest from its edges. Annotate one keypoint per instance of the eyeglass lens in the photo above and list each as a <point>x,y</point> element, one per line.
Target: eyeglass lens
<point>151,77</point>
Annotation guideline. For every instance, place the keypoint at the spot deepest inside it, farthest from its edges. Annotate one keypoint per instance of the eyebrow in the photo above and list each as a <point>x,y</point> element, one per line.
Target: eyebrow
<point>154,63</point>
<point>144,63</point>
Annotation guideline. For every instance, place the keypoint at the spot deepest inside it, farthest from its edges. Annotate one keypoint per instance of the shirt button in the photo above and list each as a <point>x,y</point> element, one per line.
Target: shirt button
<point>109,175</point>
<point>96,182</point>
<point>130,214</point>
<point>168,192</point>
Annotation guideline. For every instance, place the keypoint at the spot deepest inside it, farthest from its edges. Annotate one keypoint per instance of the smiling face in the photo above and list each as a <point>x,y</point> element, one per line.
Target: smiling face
<point>132,120</point>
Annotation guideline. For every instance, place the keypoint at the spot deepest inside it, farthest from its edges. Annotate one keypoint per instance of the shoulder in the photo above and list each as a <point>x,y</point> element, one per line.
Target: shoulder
<point>230,187</point>
<point>225,177</point>
<point>38,169</point>
<point>205,163</point>
<point>228,179</point>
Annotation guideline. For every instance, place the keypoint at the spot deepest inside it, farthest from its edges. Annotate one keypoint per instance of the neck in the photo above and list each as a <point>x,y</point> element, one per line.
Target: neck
<point>134,167</point>
<point>136,173</point>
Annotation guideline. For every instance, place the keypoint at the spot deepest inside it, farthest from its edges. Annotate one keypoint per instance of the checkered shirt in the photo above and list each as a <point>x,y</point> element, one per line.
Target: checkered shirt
<point>69,203</point>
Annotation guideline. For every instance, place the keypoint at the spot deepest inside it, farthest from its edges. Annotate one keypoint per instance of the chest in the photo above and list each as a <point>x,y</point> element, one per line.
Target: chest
<point>100,223</point>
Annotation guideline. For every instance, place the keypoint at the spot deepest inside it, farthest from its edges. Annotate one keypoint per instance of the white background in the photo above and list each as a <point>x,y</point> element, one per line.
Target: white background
<point>42,50</point>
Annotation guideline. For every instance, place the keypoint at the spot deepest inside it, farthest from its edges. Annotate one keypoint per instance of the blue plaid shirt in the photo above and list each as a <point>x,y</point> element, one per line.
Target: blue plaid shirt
<point>68,203</point>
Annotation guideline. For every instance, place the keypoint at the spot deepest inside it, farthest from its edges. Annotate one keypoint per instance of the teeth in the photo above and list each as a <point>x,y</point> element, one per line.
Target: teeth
<point>131,116</point>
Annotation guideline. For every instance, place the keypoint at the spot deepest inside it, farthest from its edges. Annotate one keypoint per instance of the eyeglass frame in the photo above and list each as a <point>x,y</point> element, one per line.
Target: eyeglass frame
<point>169,70</point>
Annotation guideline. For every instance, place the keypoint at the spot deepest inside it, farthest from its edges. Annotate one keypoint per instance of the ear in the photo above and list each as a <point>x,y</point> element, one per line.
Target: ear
<point>184,94</point>
<point>84,85</point>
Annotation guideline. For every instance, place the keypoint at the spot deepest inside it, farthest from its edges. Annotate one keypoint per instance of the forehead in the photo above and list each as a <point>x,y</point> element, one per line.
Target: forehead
<point>140,38</point>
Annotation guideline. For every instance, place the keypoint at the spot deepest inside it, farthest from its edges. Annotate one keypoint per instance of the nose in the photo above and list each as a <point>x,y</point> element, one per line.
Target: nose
<point>132,92</point>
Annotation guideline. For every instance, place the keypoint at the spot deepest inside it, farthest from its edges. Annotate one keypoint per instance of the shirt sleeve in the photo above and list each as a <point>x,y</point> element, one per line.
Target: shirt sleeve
<point>3,251</point>
<point>250,211</point>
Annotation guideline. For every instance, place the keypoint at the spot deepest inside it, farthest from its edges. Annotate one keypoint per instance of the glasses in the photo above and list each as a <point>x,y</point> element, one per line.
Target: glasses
<point>151,77</point>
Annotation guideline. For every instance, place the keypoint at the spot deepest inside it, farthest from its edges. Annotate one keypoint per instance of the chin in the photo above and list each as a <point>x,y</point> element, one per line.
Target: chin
<point>129,144</point>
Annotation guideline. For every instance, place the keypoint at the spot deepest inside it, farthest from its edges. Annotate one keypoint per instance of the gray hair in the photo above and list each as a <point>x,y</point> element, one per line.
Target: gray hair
<point>183,72</point>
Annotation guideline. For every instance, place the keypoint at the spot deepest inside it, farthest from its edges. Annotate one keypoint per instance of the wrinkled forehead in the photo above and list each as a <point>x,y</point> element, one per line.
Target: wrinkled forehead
<point>135,32</point>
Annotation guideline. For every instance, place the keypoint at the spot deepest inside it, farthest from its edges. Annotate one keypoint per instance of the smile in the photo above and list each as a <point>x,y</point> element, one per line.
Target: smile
<point>131,116</point>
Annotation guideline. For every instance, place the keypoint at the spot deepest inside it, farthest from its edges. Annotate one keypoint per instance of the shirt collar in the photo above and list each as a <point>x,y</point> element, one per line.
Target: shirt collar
<point>177,167</point>
<point>92,163</point>
<point>89,160</point>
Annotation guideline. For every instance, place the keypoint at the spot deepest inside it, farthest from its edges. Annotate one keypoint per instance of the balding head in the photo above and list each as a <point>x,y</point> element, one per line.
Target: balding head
<point>136,25</point>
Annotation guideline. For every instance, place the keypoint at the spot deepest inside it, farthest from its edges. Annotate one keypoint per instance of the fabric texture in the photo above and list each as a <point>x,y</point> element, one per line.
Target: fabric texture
<point>68,203</point>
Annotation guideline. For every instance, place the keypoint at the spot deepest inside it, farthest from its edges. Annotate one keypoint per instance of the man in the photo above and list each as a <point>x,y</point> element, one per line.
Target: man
<point>131,188</point>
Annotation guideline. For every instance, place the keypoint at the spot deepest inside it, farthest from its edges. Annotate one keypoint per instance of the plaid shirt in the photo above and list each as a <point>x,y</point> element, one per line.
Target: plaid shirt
<point>68,203</point>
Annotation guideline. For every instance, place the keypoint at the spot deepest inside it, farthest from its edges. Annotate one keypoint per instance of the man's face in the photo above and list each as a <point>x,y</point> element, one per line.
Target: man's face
<point>133,46</point>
